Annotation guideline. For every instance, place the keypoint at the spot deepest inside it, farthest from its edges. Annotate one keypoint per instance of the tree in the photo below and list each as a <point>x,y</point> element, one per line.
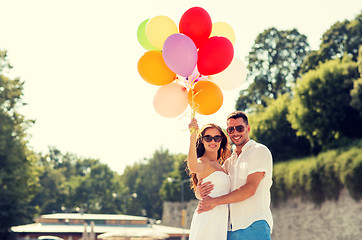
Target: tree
<point>18,182</point>
<point>146,179</point>
<point>271,127</point>
<point>52,194</point>
<point>356,95</point>
<point>274,64</point>
<point>171,191</point>
<point>320,109</point>
<point>342,38</point>
<point>70,183</point>
<point>356,92</point>
<point>95,192</point>
<point>55,171</point>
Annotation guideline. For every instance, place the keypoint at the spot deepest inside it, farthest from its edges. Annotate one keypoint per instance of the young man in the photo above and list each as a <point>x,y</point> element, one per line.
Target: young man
<point>250,169</point>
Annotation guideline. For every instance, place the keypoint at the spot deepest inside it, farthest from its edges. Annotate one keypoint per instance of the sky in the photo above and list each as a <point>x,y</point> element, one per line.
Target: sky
<point>78,59</point>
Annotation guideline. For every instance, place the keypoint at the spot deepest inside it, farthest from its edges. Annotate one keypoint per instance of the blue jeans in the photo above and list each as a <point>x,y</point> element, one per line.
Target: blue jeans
<point>258,230</point>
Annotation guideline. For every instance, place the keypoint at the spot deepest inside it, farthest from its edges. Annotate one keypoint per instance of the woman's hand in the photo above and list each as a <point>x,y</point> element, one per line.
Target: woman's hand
<point>193,126</point>
<point>206,204</point>
<point>203,189</point>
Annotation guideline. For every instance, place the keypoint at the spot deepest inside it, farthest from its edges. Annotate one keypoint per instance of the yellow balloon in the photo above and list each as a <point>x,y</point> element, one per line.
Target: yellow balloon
<point>224,30</point>
<point>158,29</point>
<point>154,70</point>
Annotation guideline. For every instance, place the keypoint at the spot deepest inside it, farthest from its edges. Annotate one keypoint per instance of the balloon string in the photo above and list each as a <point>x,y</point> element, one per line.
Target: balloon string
<point>193,110</point>
<point>194,106</point>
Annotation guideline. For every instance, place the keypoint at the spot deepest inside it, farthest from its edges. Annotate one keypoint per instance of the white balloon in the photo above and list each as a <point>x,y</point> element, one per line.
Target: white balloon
<point>232,77</point>
<point>170,100</point>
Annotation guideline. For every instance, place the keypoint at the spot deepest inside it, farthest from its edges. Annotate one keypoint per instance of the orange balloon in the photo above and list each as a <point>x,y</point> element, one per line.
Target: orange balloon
<point>208,97</point>
<point>154,70</point>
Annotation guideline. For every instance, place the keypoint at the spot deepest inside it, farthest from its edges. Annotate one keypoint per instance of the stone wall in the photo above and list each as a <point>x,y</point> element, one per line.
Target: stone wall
<point>297,220</point>
<point>172,213</point>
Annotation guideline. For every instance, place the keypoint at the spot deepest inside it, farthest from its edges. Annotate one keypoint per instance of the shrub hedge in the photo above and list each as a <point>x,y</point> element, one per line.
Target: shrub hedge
<point>320,177</point>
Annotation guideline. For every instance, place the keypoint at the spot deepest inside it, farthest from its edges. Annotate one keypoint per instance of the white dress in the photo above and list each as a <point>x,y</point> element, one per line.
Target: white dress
<point>212,225</point>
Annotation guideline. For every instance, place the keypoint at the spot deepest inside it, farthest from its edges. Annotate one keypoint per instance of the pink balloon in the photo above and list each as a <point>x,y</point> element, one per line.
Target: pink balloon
<point>180,54</point>
<point>170,100</point>
<point>215,55</point>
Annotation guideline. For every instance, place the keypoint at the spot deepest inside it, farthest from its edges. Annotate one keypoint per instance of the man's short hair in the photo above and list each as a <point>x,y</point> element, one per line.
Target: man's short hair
<point>238,114</point>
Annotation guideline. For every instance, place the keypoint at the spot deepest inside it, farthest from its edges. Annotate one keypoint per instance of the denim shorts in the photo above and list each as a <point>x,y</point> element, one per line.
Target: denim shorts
<point>258,230</point>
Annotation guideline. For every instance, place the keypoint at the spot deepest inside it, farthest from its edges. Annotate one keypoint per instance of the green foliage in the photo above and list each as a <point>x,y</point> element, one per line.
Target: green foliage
<point>273,63</point>
<point>94,192</point>
<point>52,193</point>
<point>146,180</point>
<point>359,61</point>
<point>320,109</point>
<point>320,178</point>
<point>351,169</point>
<point>171,190</point>
<point>271,127</point>
<point>356,92</point>
<point>341,39</point>
<point>356,95</point>
<point>18,180</point>
<point>69,183</point>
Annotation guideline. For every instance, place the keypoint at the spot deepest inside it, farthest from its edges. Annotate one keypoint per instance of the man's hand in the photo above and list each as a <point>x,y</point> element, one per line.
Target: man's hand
<point>206,204</point>
<point>204,189</point>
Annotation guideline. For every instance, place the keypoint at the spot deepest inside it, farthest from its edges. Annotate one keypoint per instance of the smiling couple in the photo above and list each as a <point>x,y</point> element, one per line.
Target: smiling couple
<point>233,188</point>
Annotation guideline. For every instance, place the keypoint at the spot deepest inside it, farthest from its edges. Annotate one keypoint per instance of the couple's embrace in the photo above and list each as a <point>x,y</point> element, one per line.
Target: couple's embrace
<point>234,190</point>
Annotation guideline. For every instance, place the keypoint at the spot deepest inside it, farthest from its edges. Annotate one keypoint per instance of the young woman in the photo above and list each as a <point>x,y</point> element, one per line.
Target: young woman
<point>208,150</point>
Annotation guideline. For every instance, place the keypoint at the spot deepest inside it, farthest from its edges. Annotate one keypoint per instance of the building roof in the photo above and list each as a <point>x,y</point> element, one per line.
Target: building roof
<point>86,216</point>
<point>63,227</point>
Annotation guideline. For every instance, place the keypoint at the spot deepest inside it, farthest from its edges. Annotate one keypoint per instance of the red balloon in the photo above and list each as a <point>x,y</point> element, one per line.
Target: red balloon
<point>215,55</point>
<point>196,23</point>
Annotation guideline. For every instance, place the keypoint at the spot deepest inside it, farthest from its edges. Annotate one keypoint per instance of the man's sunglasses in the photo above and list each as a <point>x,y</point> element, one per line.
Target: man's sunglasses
<point>239,128</point>
<point>208,138</point>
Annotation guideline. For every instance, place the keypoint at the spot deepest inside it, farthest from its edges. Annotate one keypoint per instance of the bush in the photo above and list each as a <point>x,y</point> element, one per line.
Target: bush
<point>320,178</point>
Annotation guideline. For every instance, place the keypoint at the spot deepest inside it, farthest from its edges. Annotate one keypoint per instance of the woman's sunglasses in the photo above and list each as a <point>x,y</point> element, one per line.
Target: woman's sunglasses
<point>208,138</point>
<point>239,128</point>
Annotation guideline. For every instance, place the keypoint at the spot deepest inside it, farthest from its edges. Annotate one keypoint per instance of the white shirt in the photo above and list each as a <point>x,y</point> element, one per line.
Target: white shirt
<point>255,157</point>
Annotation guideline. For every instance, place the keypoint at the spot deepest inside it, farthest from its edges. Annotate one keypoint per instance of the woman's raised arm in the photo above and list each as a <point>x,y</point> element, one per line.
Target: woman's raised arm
<point>192,162</point>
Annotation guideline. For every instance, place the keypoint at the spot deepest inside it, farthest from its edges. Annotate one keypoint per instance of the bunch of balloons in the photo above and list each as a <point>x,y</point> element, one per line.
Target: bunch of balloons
<point>191,62</point>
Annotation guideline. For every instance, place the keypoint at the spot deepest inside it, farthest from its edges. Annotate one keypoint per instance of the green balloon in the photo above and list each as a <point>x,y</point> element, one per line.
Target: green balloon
<point>142,38</point>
